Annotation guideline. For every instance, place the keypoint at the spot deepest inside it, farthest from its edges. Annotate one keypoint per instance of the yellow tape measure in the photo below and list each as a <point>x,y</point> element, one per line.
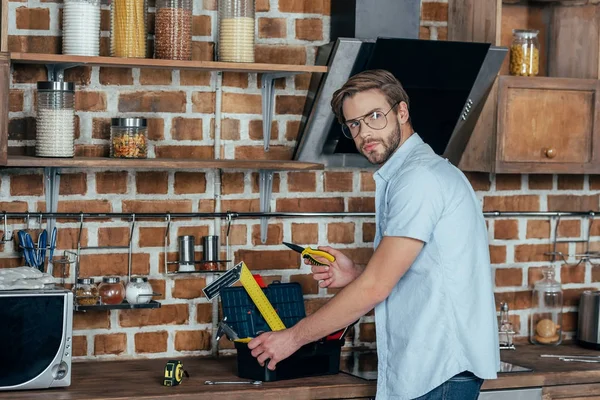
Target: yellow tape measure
<point>174,372</point>
<point>260,300</point>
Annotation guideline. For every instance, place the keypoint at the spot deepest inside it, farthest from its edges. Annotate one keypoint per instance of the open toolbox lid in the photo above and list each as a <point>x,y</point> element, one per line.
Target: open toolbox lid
<point>245,318</point>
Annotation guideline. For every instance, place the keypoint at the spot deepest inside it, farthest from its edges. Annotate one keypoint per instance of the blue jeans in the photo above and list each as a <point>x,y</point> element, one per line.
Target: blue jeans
<point>464,386</point>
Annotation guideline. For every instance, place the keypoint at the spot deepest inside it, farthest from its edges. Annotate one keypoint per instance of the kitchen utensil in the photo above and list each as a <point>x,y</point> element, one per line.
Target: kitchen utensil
<point>309,253</point>
<point>588,323</point>
<point>233,383</point>
<point>29,253</point>
<point>186,253</point>
<point>41,250</point>
<point>210,248</point>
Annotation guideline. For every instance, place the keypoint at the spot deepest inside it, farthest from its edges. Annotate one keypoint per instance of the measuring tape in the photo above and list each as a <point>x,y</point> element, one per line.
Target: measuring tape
<point>241,273</point>
<point>174,373</point>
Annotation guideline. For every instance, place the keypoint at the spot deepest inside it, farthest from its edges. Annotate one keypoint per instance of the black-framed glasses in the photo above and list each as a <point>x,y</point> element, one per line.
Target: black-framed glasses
<point>374,120</point>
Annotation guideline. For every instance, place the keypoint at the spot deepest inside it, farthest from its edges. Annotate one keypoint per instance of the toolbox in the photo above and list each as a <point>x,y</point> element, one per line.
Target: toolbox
<point>316,358</point>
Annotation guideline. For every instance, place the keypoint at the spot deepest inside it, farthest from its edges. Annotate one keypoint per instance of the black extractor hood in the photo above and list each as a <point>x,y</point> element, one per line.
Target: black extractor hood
<point>447,84</point>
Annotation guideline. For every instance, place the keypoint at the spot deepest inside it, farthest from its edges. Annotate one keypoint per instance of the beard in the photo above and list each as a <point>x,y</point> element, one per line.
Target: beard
<point>388,146</point>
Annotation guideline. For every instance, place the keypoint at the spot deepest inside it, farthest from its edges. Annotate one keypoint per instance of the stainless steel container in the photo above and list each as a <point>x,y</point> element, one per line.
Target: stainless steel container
<point>588,324</point>
<point>210,245</point>
<point>186,253</point>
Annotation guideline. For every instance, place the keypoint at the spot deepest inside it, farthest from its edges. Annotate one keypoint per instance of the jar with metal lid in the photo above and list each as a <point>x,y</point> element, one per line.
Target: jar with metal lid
<point>236,30</point>
<point>173,30</point>
<point>545,322</point>
<point>525,53</point>
<point>128,138</point>
<point>55,121</point>
<point>111,290</point>
<point>86,292</point>
<point>128,28</point>
<point>138,290</point>
<point>81,27</point>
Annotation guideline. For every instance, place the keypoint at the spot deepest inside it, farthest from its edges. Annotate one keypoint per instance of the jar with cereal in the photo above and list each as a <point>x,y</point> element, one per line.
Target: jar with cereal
<point>173,30</point>
<point>128,138</point>
<point>86,292</point>
<point>525,53</point>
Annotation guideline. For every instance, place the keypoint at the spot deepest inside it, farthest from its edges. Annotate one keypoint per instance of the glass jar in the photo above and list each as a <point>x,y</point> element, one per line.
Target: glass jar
<point>173,30</point>
<point>138,290</point>
<point>128,29</point>
<point>111,290</point>
<point>128,138</point>
<point>55,121</point>
<point>236,30</point>
<point>525,53</point>
<point>545,322</point>
<point>81,27</point>
<point>86,292</point>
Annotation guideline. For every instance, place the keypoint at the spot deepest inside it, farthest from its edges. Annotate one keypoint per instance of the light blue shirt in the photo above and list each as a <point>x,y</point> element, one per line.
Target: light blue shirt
<point>440,318</point>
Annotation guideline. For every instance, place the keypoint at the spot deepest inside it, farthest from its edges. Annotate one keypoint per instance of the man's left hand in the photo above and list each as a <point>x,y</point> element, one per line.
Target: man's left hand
<point>274,346</point>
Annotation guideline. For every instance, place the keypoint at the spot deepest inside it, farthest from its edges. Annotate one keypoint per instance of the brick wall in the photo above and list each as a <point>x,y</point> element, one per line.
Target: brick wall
<point>180,106</point>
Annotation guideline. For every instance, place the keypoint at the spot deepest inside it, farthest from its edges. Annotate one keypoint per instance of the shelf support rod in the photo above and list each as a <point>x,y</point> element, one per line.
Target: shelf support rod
<point>268,101</point>
<point>266,190</point>
<point>56,72</point>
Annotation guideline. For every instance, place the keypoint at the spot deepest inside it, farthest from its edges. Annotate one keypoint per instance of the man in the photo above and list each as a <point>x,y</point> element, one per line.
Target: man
<point>429,278</point>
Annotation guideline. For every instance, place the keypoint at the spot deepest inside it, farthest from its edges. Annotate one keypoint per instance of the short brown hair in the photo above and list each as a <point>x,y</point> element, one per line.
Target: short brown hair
<point>367,80</point>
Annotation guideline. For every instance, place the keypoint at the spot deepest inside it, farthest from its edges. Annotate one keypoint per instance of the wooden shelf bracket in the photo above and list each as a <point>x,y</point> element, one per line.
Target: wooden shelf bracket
<point>266,190</point>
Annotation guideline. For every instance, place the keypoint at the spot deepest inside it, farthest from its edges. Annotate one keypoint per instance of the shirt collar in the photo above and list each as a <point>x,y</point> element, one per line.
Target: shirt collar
<point>387,170</point>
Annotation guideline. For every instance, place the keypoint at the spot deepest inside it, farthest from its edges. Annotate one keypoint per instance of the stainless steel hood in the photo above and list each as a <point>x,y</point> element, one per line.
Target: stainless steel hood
<point>447,84</point>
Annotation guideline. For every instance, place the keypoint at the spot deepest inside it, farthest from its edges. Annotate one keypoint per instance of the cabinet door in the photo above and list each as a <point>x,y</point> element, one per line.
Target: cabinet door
<point>547,125</point>
<point>590,391</point>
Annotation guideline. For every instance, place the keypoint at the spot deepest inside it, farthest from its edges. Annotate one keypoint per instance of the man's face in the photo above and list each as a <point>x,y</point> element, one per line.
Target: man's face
<point>376,145</point>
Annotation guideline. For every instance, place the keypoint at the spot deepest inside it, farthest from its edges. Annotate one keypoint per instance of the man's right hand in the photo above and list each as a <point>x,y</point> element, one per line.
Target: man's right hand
<point>336,274</point>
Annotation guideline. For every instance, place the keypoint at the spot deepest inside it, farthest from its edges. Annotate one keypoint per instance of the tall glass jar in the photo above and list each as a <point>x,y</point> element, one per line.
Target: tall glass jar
<point>128,138</point>
<point>173,30</point>
<point>55,121</point>
<point>525,53</point>
<point>81,27</point>
<point>545,322</point>
<point>236,30</point>
<point>128,28</point>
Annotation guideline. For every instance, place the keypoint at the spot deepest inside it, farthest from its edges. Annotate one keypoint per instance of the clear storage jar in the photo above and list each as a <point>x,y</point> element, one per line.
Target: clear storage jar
<point>138,290</point>
<point>545,322</point>
<point>128,28</point>
<point>55,120</point>
<point>525,53</point>
<point>173,30</point>
<point>128,138</point>
<point>86,292</point>
<point>81,27</point>
<point>111,290</point>
<point>236,30</point>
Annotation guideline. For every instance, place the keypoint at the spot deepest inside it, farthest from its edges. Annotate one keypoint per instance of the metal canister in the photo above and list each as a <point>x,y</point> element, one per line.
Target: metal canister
<point>186,253</point>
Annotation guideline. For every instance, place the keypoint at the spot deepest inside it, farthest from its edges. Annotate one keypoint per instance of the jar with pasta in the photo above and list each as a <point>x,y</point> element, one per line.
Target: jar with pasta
<point>128,28</point>
<point>236,30</point>
<point>173,30</point>
<point>128,138</point>
<point>525,53</point>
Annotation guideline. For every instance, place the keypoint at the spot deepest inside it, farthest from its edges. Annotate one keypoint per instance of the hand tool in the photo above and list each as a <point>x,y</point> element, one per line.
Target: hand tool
<point>223,328</point>
<point>310,254</point>
<point>174,373</point>
<point>233,383</point>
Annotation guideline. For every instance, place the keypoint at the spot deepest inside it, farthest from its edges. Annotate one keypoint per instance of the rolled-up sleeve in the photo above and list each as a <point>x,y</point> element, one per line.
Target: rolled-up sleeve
<point>415,204</point>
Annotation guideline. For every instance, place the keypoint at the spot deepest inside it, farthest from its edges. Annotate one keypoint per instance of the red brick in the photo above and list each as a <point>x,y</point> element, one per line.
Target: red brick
<point>424,32</point>
<point>262,5</point>
<point>255,130</point>
<point>368,232</point>
<point>188,288</point>
<point>327,204</point>
<point>235,79</point>
<point>508,182</point>
<point>194,78</point>
<point>572,203</point>
<point>520,300</point>
<point>15,100</point>
<point>305,6</point>
<point>367,332</point>
<point>192,340</point>
<point>434,11</point>
<point>511,203</point>
<point>497,254</point>
<point>33,18</point>
<point>540,182</point>
<point>242,103</point>
<point>79,75</point>
<point>95,320</point>
<point>34,44</point>
<point>26,185</point>
<point>197,231</point>
<point>115,76</point>
<point>79,346</point>
<point>509,276</point>
<point>292,129</point>
<point>538,229</point>
<point>201,25</point>
<point>68,237</point>
<point>113,264</point>
<point>256,182</point>
<point>274,54</point>
<point>156,76</point>
<point>151,342</point>
<point>152,182</point>
<point>203,51</point>
<point>340,232</point>
<point>196,152</point>
<point>252,205</point>
<point>572,274</point>
<point>73,184</point>
<point>307,282</point>
<point>338,181</point>
<point>309,29</point>
<point>94,150</point>
<point>113,236</point>
<point>232,182</point>
<point>302,81</point>
<point>305,233</point>
<point>189,182</point>
<point>361,204</point>
<point>258,153</point>
<point>570,182</point>
<point>535,252</point>
<point>115,343</point>
<point>150,206</point>
<point>569,228</point>
<point>22,128</point>
<point>272,28</point>
<point>74,206</point>
<point>269,259</point>
<point>367,183</point>
<point>101,128</point>
<point>167,314</point>
<point>230,129</point>
<point>203,102</point>
<point>186,128</point>
<point>238,235</point>
<point>29,73</point>
<point>90,101</point>
<point>160,101</point>
<point>151,237</point>
<point>204,313</point>
<point>287,104</point>
<point>111,182</point>
<point>274,234</point>
<point>506,229</point>
<point>442,33</point>
<point>479,181</point>
<point>302,181</point>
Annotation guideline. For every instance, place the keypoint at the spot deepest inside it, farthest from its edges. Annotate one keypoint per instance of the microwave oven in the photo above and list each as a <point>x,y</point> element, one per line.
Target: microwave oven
<point>35,338</point>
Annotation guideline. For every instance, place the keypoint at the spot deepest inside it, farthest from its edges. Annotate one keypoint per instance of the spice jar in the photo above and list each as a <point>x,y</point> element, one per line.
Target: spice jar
<point>111,290</point>
<point>210,253</point>
<point>525,53</point>
<point>55,122</point>
<point>81,27</point>
<point>86,292</point>
<point>138,290</point>
<point>128,138</point>
<point>545,323</point>
<point>236,30</point>
<point>128,30</point>
<point>173,30</point>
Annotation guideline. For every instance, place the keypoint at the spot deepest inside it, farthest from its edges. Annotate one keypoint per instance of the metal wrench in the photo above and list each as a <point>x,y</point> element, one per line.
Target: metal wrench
<point>233,382</point>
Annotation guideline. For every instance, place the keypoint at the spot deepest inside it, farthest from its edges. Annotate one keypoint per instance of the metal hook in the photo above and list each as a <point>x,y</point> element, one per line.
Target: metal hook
<point>4,238</point>
<point>130,248</point>
<point>27,221</point>
<point>167,234</point>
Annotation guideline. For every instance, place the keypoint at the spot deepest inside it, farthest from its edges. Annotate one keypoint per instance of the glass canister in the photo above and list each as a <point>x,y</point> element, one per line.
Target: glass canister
<point>236,30</point>
<point>81,27</point>
<point>128,28</point>
<point>138,290</point>
<point>128,138</point>
<point>86,292</point>
<point>111,290</point>
<point>55,121</point>
<point>173,30</point>
<point>545,322</point>
<point>525,53</point>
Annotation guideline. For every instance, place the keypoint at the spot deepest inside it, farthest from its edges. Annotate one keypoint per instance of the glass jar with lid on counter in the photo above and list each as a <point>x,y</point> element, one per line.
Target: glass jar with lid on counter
<point>111,290</point>
<point>128,28</point>
<point>128,138</point>
<point>173,30</point>
<point>525,53</point>
<point>545,322</point>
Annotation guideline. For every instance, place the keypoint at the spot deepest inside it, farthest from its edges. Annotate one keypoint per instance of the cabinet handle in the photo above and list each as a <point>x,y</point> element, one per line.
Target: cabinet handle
<point>550,153</point>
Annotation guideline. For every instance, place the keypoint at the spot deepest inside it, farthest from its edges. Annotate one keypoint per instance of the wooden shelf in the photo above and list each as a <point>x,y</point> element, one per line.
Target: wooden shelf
<point>123,306</point>
<point>38,58</point>
<point>158,163</point>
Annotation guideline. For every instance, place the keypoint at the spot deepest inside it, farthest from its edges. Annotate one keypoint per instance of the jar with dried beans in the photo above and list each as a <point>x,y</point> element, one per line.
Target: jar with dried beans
<point>173,30</point>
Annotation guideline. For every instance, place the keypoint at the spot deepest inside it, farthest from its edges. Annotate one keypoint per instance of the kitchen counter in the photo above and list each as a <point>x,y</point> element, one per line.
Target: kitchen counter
<point>141,379</point>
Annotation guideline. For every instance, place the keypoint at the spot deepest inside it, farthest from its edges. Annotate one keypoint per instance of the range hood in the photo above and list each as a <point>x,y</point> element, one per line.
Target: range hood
<point>447,84</point>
